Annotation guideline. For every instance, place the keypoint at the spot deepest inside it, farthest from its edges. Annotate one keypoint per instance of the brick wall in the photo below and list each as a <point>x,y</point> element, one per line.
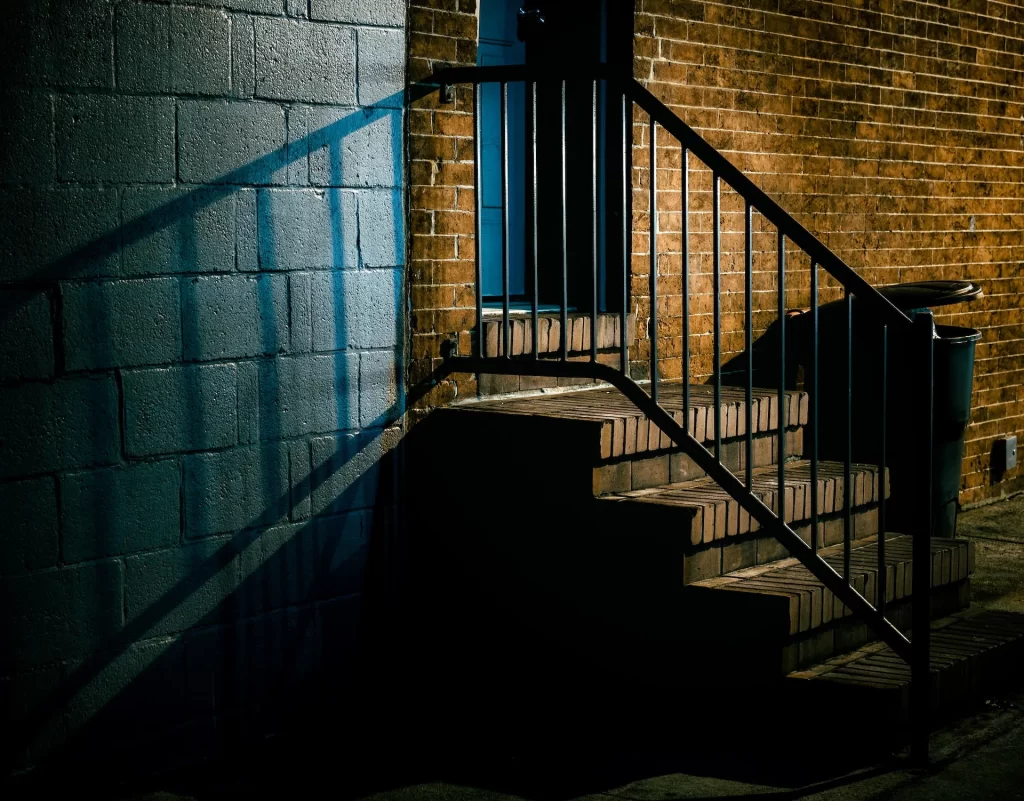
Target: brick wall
<point>893,130</point>
<point>441,278</point>
<point>201,283</point>
<point>441,199</point>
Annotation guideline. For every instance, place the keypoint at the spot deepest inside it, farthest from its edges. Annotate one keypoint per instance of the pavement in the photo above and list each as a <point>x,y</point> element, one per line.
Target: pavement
<point>980,757</point>
<point>998,534</point>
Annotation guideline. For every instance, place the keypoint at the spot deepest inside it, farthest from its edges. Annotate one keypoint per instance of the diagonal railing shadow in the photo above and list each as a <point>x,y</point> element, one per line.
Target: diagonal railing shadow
<point>251,175</point>
<point>199,575</point>
<point>368,443</point>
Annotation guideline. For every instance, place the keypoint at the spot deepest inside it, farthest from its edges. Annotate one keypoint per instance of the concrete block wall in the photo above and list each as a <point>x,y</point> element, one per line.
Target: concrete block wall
<point>201,338</point>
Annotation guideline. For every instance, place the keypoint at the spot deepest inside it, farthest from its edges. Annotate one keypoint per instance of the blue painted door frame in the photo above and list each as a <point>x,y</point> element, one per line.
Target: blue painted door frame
<point>498,45</point>
<point>593,32</point>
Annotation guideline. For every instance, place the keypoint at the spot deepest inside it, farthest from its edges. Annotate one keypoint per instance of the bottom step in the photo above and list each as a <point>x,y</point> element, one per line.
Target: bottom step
<point>972,652</point>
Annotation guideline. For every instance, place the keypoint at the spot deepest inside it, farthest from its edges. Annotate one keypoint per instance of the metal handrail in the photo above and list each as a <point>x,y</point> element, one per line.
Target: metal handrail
<point>822,255</point>
<point>710,464</point>
<point>919,332</point>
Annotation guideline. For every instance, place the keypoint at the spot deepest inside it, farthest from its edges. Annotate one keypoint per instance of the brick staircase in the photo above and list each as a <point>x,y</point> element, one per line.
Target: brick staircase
<point>580,511</point>
<point>679,566</point>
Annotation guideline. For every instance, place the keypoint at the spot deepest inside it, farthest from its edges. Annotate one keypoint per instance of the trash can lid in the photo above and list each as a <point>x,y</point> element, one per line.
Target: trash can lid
<point>926,294</point>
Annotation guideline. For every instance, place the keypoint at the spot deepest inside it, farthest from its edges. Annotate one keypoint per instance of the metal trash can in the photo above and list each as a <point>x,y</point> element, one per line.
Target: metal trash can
<point>954,375</point>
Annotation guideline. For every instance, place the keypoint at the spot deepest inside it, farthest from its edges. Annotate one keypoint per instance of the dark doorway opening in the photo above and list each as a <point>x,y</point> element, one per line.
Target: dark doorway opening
<point>555,34</point>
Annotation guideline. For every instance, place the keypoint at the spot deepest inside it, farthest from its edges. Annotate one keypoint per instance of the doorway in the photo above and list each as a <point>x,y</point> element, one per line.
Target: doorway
<point>499,45</point>
<point>553,34</point>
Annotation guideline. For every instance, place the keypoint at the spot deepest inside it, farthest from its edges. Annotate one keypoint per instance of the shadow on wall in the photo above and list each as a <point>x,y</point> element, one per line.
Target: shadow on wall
<point>261,603</point>
<point>273,588</point>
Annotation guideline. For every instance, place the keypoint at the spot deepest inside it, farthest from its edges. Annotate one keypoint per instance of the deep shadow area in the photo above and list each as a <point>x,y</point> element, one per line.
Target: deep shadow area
<point>476,656</point>
<point>490,727</point>
<point>493,667</point>
<point>261,614</point>
<point>277,647</point>
<point>484,664</point>
<point>554,774</point>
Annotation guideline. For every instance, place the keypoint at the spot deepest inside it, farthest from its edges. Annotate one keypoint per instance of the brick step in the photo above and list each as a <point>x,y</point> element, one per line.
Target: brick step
<point>784,599</point>
<point>973,652</point>
<point>549,333</point>
<point>621,430</point>
<point>706,515</point>
<point>646,470</point>
<point>773,619</point>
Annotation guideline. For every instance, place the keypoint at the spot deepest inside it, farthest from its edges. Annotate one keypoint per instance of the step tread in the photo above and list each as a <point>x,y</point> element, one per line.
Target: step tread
<point>810,605</point>
<point>624,426</point>
<point>956,641</point>
<point>717,515</point>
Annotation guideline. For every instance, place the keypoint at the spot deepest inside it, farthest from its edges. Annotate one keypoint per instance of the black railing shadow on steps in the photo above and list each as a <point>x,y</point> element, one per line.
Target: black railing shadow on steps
<point>611,94</point>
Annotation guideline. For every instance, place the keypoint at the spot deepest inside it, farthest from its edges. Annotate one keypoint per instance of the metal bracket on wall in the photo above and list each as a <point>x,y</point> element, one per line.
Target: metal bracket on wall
<point>446,91</point>
<point>1006,450</point>
<point>449,348</point>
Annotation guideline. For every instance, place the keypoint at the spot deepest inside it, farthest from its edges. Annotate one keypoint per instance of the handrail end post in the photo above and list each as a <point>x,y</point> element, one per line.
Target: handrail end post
<point>920,685</point>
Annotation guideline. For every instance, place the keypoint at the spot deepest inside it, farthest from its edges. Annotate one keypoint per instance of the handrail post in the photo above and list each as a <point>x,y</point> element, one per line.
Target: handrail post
<point>653,254</point>
<point>478,195</point>
<point>923,348</point>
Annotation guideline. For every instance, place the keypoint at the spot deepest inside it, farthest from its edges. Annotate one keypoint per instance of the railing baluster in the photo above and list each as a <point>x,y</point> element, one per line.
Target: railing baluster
<point>504,223</point>
<point>783,399</point>
<point>686,289</point>
<point>653,249</point>
<point>920,330</point>
<point>534,214</point>
<point>565,244</point>
<point>748,308</point>
<point>716,260</point>
<point>593,310</point>
<point>814,406</point>
<point>920,681</point>
<point>627,245</point>
<point>788,229</point>
<point>478,194</point>
<point>880,599</point>
<point>848,456</point>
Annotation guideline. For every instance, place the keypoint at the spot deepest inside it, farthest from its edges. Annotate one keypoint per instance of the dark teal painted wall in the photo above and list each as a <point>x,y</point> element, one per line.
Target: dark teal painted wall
<point>201,283</point>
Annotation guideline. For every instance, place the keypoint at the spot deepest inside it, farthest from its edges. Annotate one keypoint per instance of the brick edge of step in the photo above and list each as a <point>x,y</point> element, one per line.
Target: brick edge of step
<point>715,516</point>
<point>786,588</point>
<point>974,651</point>
<point>622,424</point>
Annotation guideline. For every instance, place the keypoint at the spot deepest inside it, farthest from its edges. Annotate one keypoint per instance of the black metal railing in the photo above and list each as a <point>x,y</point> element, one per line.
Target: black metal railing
<point>916,335</point>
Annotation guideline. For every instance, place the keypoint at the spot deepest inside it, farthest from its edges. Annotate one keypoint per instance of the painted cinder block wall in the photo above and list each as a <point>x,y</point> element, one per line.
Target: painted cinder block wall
<point>202,257</point>
<point>894,130</point>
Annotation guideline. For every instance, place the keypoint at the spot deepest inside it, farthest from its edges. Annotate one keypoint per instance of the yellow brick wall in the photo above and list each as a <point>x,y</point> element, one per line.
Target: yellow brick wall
<point>893,129</point>
<point>441,200</point>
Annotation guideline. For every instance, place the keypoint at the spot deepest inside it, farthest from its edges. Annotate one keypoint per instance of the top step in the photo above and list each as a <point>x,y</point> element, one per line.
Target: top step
<point>625,430</point>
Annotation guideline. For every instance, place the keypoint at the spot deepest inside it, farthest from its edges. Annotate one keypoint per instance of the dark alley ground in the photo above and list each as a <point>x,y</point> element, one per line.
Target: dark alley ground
<point>981,757</point>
